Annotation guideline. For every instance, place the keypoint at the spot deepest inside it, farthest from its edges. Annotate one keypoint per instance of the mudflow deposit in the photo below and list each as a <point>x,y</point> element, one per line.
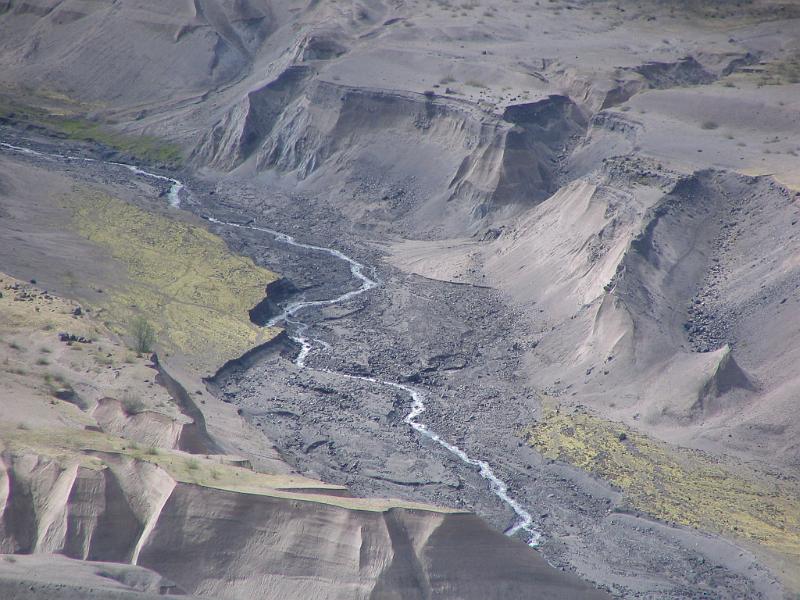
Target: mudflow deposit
<point>399,299</point>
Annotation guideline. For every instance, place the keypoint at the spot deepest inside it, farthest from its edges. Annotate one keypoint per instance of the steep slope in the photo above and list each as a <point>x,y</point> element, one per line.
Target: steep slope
<point>192,47</point>
<point>621,174</point>
<point>106,457</point>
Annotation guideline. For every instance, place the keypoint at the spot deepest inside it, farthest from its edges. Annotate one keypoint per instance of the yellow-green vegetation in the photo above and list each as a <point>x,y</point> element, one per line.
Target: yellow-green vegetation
<point>143,147</point>
<point>23,308</point>
<point>68,122</point>
<point>675,484</point>
<point>716,14</point>
<point>88,448</point>
<point>783,71</point>
<point>193,291</point>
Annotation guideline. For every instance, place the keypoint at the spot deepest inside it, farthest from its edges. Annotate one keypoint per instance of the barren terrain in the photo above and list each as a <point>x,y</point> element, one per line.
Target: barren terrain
<point>581,219</point>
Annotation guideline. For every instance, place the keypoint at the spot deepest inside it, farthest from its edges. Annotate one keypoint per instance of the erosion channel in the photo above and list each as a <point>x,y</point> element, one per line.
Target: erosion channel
<point>345,403</point>
<point>523,521</point>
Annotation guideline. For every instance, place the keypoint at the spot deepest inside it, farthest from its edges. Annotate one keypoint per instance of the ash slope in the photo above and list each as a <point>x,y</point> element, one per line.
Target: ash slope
<point>105,455</point>
<point>622,174</point>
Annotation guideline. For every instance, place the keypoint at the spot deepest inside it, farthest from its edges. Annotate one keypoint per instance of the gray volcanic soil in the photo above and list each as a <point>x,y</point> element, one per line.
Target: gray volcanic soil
<point>453,342</point>
<point>622,176</point>
<point>216,542</point>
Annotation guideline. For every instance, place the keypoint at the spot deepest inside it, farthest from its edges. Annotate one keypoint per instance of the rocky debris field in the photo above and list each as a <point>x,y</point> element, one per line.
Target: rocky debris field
<point>461,345</point>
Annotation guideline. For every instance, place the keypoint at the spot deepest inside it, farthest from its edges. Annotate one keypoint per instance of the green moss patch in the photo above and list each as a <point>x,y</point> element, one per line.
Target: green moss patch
<point>183,279</point>
<point>70,124</point>
<point>675,484</point>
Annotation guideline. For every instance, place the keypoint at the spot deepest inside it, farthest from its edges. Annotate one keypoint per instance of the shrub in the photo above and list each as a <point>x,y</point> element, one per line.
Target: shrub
<point>132,405</point>
<point>144,336</point>
<point>709,125</point>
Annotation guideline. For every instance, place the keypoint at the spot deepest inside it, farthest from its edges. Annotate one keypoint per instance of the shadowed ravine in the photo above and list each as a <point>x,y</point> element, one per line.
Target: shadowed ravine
<point>524,520</point>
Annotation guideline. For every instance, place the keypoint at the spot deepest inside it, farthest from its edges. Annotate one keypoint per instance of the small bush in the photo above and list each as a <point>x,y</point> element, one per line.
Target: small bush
<point>152,451</point>
<point>144,336</point>
<point>103,360</point>
<point>709,125</point>
<point>192,464</point>
<point>42,361</point>
<point>132,405</point>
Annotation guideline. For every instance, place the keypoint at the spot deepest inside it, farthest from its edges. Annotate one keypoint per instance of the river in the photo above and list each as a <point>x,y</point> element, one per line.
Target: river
<point>523,522</point>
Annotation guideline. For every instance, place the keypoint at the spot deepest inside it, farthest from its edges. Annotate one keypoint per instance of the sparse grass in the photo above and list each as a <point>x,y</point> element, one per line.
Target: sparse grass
<point>781,71</point>
<point>73,126</point>
<point>147,148</point>
<point>57,384</point>
<point>476,84</point>
<point>143,334</point>
<point>64,445</point>
<point>194,291</point>
<point>673,484</point>
<point>42,361</point>
<point>132,404</point>
<point>102,359</point>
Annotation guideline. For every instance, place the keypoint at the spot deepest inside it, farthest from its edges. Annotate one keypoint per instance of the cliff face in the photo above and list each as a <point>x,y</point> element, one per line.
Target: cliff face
<point>315,130</point>
<point>107,467</point>
<point>278,543</point>
<point>621,176</point>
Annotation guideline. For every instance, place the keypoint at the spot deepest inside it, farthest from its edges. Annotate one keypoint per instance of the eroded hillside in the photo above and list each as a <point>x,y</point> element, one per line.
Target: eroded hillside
<point>580,217</point>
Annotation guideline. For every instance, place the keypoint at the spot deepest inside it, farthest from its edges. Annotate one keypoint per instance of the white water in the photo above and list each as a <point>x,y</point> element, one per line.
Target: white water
<point>173,196</point>
<point>524,520</point>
